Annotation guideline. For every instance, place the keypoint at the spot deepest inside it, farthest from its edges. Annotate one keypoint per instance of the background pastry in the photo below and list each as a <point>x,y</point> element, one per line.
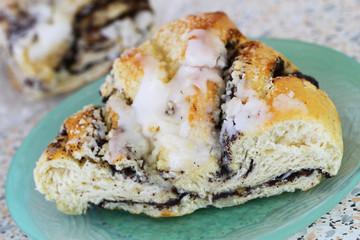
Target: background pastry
<point>53,47</point>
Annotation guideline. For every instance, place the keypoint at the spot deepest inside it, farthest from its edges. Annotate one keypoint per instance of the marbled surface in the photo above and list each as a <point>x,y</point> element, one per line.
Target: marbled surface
<point>334,24</point>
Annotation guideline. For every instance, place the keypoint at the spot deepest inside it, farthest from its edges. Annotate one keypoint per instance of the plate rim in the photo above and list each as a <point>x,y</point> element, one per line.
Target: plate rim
<point>284,232</point>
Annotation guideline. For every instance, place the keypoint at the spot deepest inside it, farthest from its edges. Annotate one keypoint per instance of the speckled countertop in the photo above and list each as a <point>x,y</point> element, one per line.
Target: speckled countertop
<point>334,24</point>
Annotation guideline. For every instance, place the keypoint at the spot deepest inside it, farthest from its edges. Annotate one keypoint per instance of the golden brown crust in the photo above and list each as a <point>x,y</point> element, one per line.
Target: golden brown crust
<point>77,126</point>
<point>320,107</point>
<point>259,63</point>
<point>129,65</point>
<point>168,214</point>
<point>56,149</point>
<point>217,21</point>
<point>200,118</point>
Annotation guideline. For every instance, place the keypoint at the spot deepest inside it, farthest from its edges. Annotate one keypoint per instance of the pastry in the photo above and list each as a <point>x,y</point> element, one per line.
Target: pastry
<point>53,47</point>
<point>199,116</point>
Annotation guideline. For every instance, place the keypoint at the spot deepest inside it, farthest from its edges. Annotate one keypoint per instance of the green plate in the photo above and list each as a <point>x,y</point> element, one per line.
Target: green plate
<point>268,218</point>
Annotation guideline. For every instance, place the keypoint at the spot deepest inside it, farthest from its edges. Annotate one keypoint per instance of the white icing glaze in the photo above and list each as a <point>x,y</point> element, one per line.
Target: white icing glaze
<point>247,117</point>
<point>128,133</point>
<point>245,112</point>
<point>287,102</point>
<point>151,99</point>
<point>205,49</point>
<point>162,109</point>
<point>151,103</point>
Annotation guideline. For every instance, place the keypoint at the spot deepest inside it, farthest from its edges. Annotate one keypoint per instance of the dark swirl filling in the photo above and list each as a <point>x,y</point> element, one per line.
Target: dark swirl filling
<point>242,192</point>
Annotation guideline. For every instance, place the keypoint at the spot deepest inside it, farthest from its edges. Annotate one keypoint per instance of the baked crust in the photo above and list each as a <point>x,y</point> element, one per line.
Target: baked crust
<point>320,107</point>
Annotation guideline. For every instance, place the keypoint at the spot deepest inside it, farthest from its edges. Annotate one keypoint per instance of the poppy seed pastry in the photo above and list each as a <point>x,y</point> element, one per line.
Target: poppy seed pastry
<point>53,47</point>
<point>199,116</point>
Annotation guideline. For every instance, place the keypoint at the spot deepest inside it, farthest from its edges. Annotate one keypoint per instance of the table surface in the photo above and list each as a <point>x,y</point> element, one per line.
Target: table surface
<point>334,24</point>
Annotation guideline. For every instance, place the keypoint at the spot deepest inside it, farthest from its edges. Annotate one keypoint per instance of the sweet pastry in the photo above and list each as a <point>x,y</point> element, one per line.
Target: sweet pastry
<point>53,47</point>
<point>199,116</point>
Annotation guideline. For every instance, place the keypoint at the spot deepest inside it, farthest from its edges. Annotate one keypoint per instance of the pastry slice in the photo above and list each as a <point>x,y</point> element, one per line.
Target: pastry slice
<point>53,47</point>
<point>199,116</point>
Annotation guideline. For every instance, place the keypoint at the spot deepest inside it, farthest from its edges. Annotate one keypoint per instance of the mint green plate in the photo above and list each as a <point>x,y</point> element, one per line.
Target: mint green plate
<point>268,218</point>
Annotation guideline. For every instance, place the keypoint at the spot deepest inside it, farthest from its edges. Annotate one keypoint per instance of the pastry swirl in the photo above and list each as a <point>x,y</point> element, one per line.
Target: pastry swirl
<point>199,116</point>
